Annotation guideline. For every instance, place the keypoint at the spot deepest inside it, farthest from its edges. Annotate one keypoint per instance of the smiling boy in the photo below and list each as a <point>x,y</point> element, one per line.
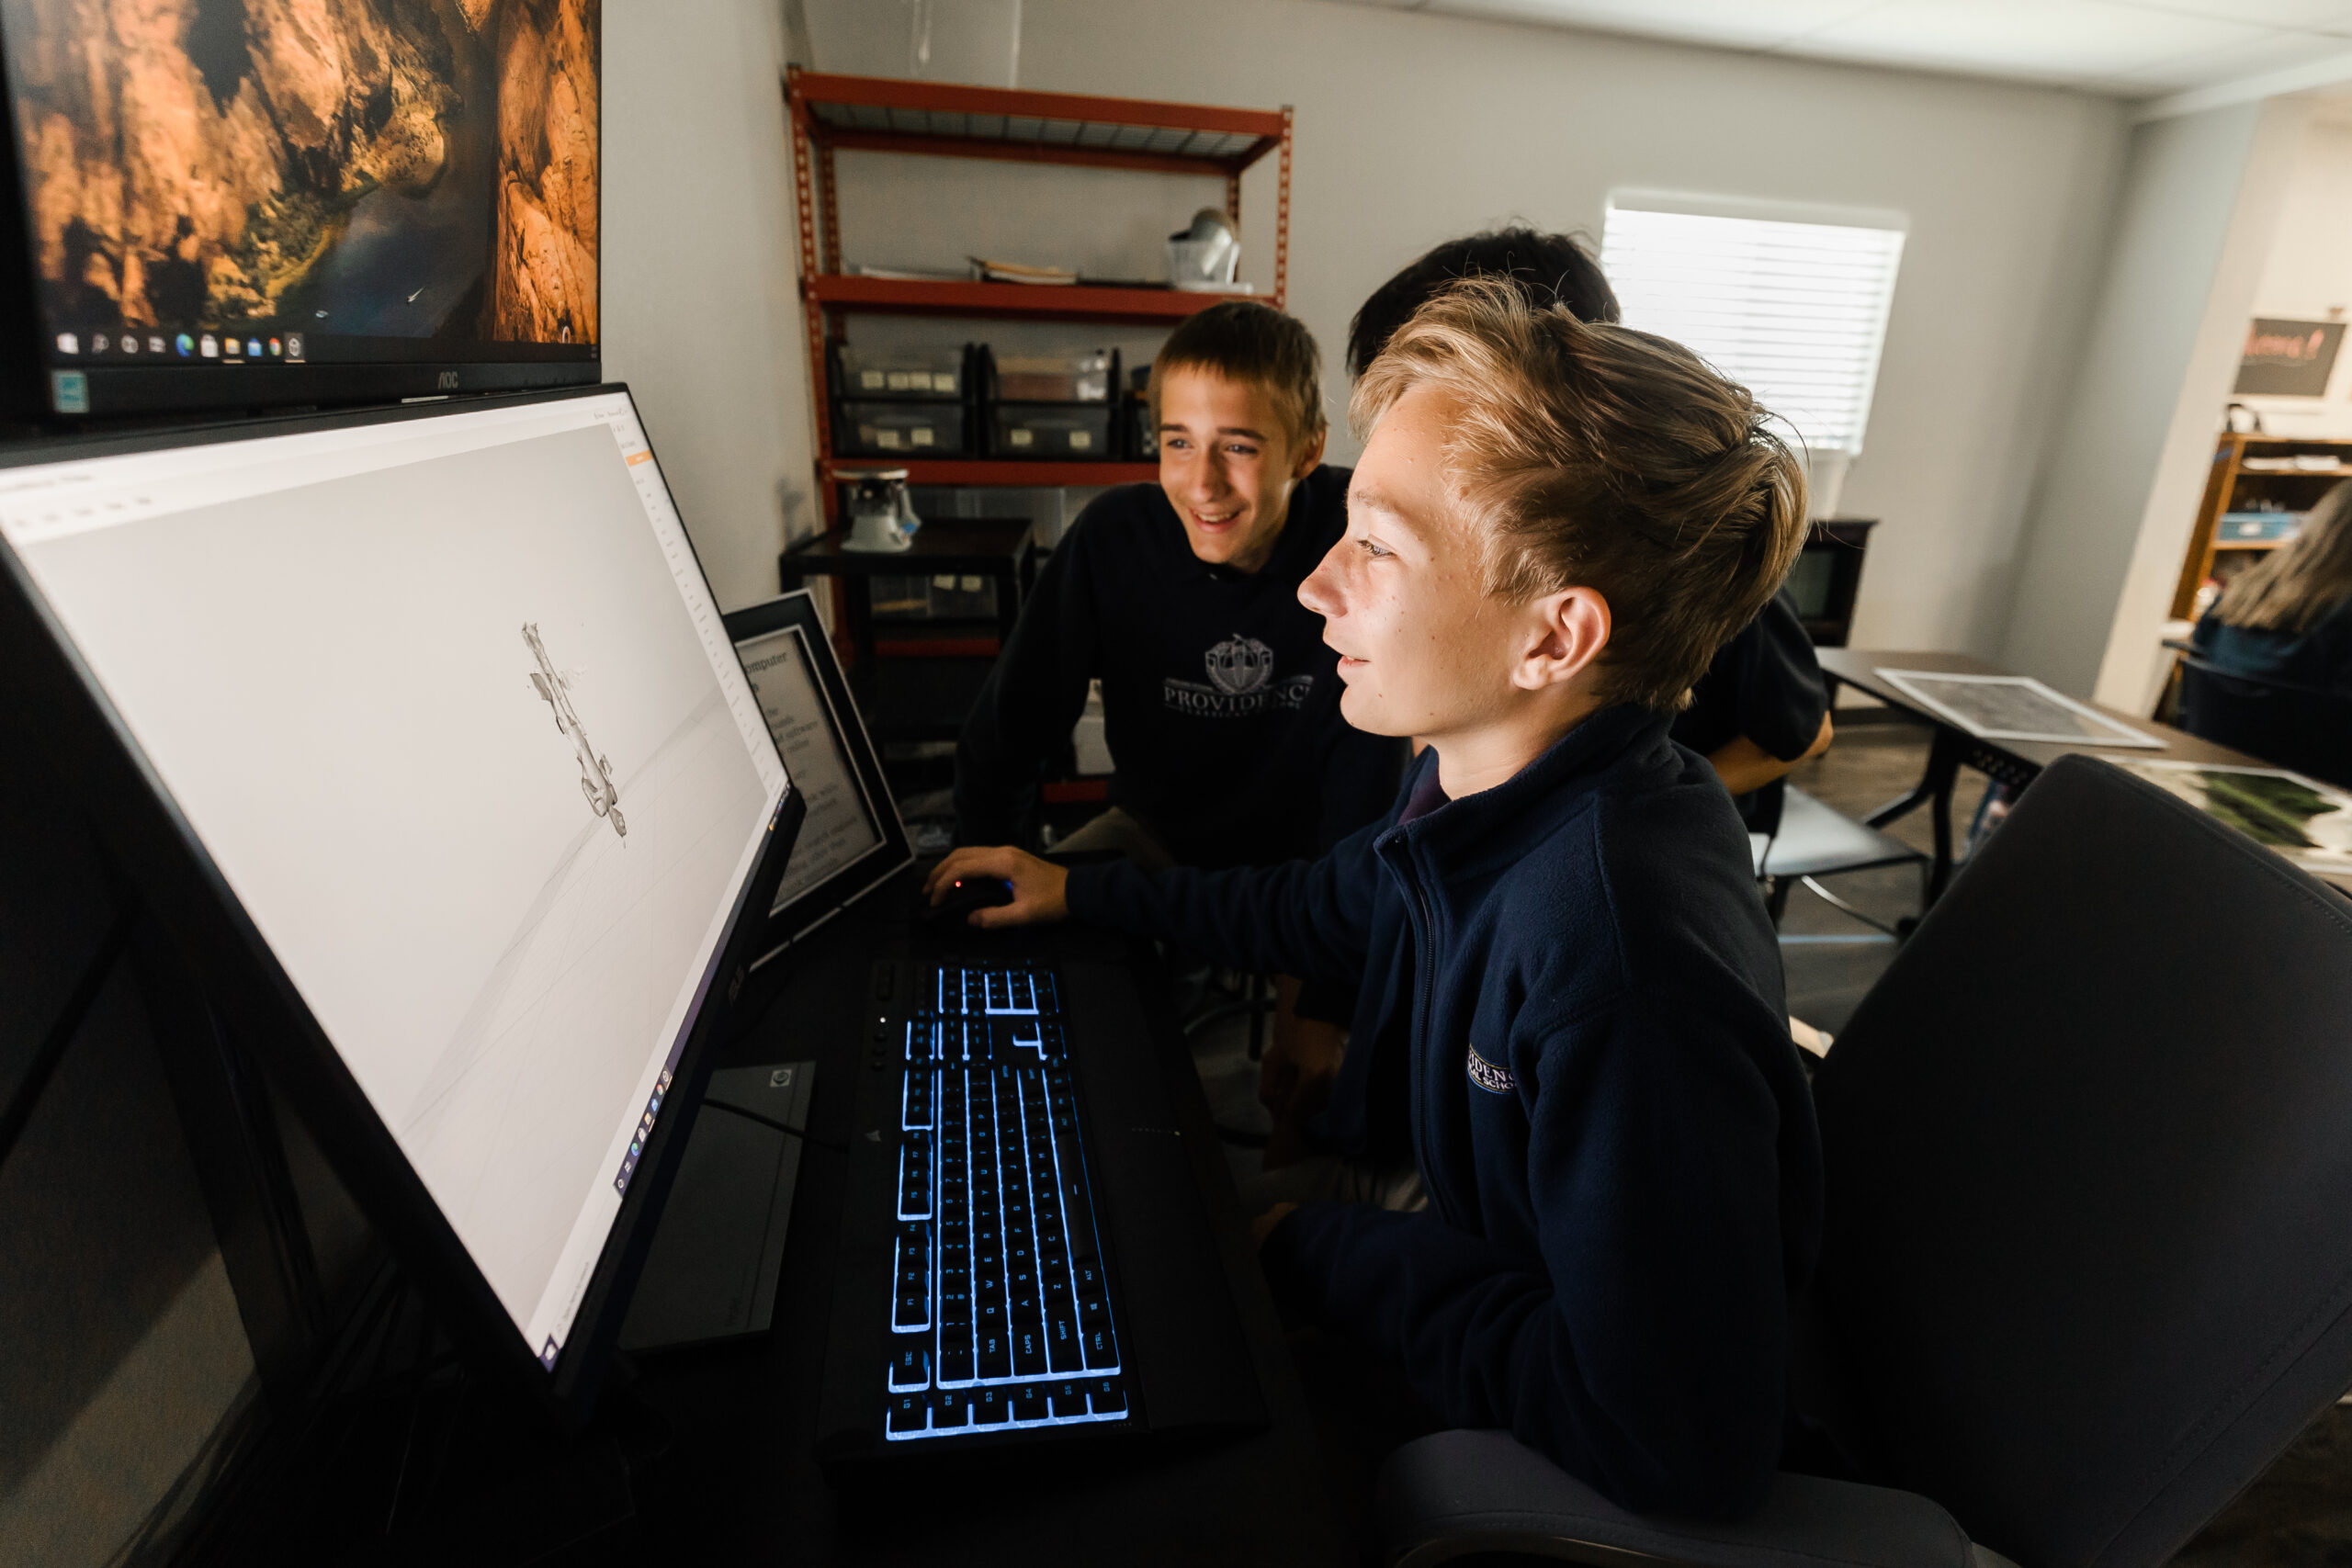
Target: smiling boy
<point>1572,1009</point>
<point>1220,702</point>
<point>1220,705</point>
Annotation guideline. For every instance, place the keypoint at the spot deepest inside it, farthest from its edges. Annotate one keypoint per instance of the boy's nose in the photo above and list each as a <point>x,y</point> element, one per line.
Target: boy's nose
<point>1317,593</point>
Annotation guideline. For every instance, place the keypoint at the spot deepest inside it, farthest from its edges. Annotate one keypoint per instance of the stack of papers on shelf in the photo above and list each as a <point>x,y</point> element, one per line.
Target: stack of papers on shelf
<point>907,275</point>
<point>988,271</point>
<point>2301,463</point>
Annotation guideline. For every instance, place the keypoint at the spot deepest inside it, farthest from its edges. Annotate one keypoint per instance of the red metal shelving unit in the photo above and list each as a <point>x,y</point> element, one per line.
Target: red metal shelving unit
<point>1006,471</point>
<point>1010,301</point>
<point>937,120</point>
<point>931,120</point>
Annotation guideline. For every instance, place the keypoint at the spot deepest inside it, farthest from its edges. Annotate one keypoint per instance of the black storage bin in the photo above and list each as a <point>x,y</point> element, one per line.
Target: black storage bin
<point>1079,432</point>
<point>905,429</point>
<point>915,402</point>
<point>1080,426</point>
<point>942,596</point>
<point>939,370</point>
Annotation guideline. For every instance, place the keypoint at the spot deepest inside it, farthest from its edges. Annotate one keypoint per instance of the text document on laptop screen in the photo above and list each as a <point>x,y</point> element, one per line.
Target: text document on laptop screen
<point>842,826</point>
<point>448,703</point>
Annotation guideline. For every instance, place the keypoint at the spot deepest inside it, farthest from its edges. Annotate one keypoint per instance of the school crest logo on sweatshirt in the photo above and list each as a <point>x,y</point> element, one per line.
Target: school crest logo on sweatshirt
<point>1241,683</point>
<point>1488,1076</point>
<point>1240,665</point>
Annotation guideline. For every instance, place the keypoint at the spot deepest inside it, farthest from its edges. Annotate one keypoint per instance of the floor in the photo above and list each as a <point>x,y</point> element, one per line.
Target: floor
<point>2299,1513</point>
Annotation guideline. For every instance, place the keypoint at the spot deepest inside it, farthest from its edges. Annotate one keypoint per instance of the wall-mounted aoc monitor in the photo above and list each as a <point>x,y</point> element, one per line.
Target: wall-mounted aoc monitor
<point>211,204</point>
<point>423,733</point>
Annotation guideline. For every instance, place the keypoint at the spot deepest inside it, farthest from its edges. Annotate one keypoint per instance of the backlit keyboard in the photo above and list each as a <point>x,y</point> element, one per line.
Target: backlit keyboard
<point>999,1317</point>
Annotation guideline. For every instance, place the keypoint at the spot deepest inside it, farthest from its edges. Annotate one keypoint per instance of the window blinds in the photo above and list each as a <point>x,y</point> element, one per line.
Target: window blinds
<point>1794,310</point>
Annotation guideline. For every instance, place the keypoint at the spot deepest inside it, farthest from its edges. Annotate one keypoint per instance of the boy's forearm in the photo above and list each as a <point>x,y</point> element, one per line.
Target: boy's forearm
<point>1261,918</point>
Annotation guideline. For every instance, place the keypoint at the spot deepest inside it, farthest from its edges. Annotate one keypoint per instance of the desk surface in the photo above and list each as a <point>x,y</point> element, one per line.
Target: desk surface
<point>741,1484</point>
<point>1859,667</point>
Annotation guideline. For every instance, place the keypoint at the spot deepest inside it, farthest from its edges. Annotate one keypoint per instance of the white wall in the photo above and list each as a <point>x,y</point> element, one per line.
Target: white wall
<point>701,307</point>
<point>2308,273</point>
<point>1415,127</point>
<point>2112,518</point>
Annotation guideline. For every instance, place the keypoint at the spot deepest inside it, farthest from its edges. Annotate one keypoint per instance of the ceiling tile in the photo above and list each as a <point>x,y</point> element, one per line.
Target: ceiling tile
<point>2205,67</point>
<point>2052,41</point>
<point>1725,24</point>
<point>2309,15</point>
<point>2125,48</point>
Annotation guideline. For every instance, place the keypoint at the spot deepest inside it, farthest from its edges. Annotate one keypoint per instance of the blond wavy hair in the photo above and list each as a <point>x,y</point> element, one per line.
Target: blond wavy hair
<point>1596,455</point>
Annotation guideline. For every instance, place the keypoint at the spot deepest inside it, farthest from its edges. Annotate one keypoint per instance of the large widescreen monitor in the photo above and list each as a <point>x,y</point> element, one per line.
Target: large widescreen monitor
<point>226,205</point>
<point>440,722</point>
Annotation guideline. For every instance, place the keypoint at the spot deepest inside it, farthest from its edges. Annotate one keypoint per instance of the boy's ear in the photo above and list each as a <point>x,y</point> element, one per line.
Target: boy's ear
<point>1310,455</point>
<point>1568,628</point>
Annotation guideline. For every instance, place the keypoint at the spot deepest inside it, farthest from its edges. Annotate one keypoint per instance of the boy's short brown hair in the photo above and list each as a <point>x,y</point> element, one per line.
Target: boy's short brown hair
<point>1245,342</point>
<point>1608,458</point>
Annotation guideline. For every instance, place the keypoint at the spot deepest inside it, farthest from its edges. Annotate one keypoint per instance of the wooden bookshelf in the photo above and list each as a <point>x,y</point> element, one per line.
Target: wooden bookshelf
<point>2230,485</point>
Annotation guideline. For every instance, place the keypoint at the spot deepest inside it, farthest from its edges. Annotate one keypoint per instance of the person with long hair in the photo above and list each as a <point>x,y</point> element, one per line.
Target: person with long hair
<point>2289,617</point>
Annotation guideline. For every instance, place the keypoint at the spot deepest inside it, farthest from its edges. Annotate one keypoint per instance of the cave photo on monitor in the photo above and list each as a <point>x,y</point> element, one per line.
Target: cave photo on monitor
<point>340,168</point>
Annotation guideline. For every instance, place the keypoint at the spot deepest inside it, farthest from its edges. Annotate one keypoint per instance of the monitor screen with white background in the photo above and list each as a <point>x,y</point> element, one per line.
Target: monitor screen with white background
<point>446,701</point>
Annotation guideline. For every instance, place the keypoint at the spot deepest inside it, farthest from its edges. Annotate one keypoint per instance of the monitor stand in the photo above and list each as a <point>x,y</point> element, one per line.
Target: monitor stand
<point>712,1272</point>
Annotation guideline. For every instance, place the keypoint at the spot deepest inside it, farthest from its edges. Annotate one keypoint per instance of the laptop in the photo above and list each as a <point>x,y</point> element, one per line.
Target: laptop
<point>1023,1254</point>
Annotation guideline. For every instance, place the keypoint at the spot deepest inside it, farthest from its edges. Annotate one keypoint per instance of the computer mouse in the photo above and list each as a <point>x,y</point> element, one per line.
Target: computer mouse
<point>966,893</point>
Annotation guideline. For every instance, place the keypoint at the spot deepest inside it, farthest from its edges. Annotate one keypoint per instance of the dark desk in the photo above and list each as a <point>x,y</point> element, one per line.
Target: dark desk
<point>739,1484</point>
<point>966,547</point>
<point>2015,763</point>
<point>922,696</point>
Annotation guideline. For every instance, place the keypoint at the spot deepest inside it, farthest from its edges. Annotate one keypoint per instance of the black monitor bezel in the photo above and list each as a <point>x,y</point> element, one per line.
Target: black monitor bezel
<point>797,611</point>
<point>51,698</point>
<point>29,364</point>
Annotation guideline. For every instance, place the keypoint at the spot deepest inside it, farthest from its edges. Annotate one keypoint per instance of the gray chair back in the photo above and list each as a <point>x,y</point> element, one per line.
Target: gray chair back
<point>2088,1264</point>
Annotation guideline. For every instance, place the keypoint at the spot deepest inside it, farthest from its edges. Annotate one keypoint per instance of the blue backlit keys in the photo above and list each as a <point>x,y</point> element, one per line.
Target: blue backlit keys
<point>1001,1306</point>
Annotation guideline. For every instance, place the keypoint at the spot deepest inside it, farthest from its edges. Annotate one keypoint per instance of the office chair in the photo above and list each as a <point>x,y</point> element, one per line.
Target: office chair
<point>2085,1271</point>
<point>1814,841</point>
<point>2288,726</point>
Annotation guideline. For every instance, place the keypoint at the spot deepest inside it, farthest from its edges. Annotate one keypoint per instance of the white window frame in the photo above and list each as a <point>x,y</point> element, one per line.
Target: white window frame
<point>1637,199</point>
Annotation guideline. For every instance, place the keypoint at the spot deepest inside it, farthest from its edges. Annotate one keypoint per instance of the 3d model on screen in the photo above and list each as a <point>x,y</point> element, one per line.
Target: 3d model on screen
<point>596,772</point>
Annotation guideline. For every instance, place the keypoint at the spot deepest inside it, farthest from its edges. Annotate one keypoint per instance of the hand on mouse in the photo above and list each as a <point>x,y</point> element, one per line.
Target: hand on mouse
<point>1037,886</point>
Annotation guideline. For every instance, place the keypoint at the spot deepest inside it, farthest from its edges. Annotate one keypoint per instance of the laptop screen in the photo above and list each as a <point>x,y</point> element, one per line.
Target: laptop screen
<point>844,824</point>
<point>448,704</point>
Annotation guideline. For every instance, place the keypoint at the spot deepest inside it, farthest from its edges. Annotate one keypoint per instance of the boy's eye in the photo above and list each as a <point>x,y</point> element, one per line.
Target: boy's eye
<point>1377,552</point>
<point>1241,449</point>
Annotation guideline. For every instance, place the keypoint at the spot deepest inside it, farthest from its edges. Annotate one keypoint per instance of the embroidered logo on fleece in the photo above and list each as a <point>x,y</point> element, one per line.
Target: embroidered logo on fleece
<point>1241,683</point>
<point>1488,1076</point>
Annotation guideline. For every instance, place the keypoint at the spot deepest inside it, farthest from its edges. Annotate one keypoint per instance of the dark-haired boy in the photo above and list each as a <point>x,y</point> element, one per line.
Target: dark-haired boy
<point>1762,706</point>
<point>1221,704</point>
<point>1569,980</point>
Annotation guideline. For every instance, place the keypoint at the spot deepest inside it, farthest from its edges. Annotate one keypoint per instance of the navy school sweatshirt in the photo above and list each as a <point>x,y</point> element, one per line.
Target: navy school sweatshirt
<point>1221,703</point>
<point>1572,979</point>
